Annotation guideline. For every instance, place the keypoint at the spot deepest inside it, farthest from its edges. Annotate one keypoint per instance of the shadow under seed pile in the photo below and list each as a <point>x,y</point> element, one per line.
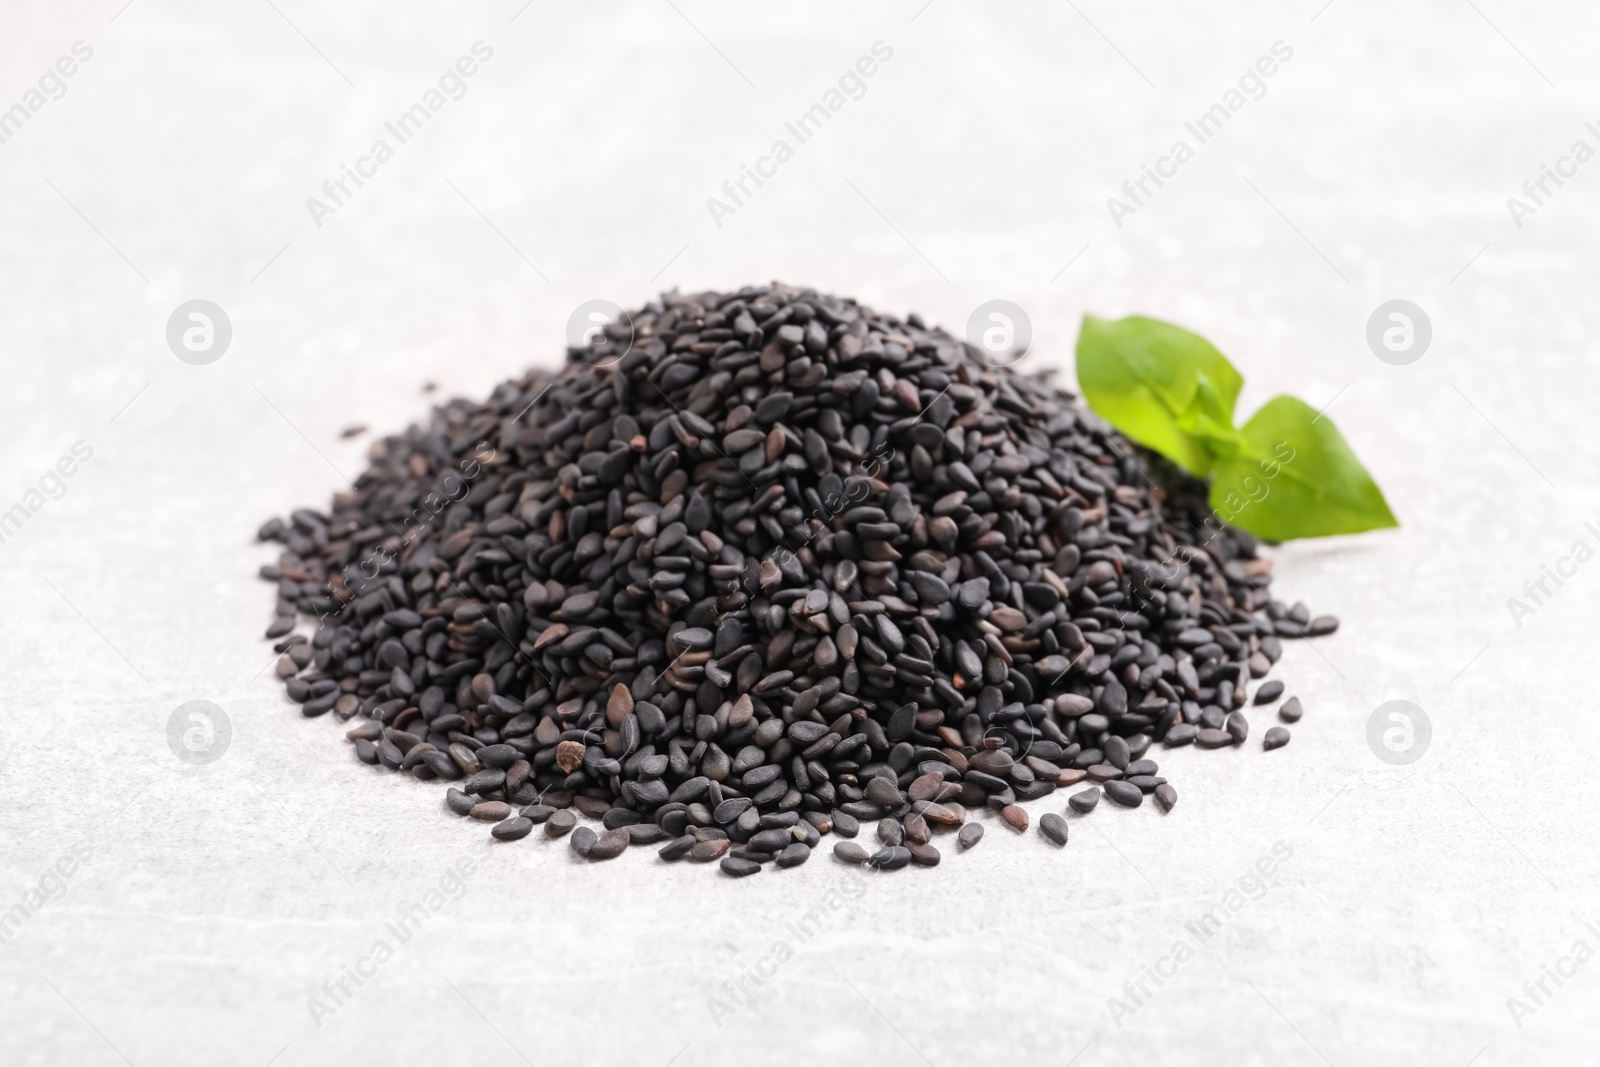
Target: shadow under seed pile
<point>761,567</point>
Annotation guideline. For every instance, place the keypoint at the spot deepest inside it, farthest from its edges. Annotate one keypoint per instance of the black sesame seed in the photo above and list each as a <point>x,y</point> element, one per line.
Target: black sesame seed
<point>1125,793</point>
<point>1085,801</point>
<point>1269,691</point>
<point>776,565</point>
<point>512,829</point>
<point>850,852</point>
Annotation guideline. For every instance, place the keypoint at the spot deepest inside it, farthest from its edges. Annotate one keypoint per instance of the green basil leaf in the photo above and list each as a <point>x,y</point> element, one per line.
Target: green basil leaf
<point>1294,476</point>
<point>1164,387</point>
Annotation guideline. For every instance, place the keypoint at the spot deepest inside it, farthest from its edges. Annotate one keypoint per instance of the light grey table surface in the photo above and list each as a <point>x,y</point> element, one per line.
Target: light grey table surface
<point>1415,900</point>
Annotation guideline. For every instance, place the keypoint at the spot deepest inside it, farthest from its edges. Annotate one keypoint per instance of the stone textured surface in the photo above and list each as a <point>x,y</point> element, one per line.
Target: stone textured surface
<point>977,164</point>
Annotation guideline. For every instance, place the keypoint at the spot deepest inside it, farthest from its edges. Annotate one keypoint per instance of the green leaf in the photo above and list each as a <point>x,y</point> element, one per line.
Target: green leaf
<point>1294,476</point>
<point>1288,473</point>
<point>1166,388</point>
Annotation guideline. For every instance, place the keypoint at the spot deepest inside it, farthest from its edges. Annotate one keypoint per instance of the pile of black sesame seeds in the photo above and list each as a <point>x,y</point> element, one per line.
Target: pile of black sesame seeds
<point>755,567</point>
